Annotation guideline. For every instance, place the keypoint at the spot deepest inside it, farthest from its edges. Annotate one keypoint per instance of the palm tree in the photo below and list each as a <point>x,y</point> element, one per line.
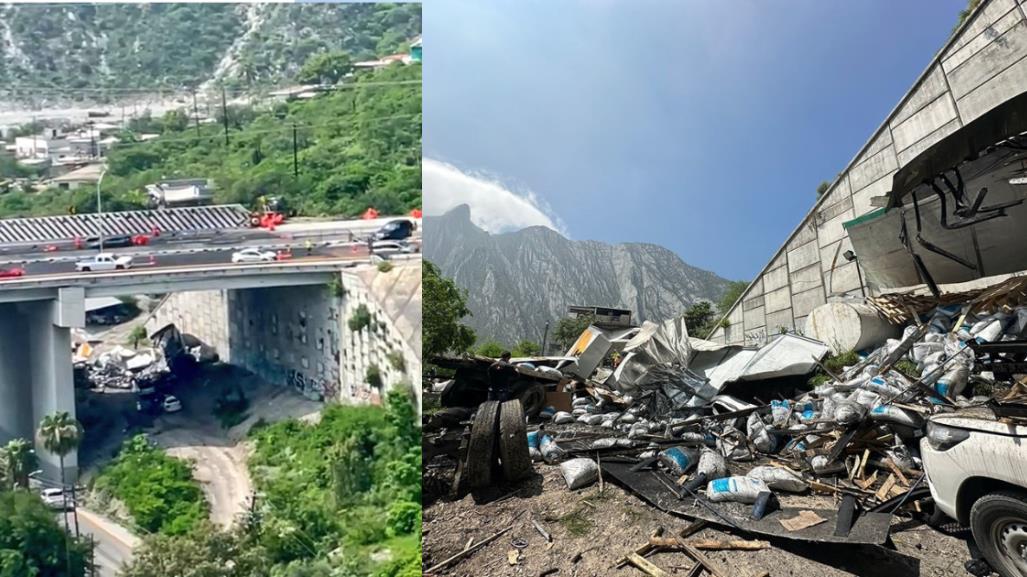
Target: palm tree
<point>60,434</point>
<point>17,461</point>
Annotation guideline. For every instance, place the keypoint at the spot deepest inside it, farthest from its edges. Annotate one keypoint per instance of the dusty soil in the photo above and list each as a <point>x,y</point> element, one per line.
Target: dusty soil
<point>604,526</point>
<point>220,455</point>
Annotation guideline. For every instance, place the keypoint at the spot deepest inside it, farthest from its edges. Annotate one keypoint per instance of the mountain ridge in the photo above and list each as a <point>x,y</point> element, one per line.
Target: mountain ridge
<point>517,281</point>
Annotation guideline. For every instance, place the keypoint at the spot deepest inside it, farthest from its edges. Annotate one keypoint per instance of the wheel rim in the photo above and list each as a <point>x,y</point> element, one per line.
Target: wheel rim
<point>1011,536</point>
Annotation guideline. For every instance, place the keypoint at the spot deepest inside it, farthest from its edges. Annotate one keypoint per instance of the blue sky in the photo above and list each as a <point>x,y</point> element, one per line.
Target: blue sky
<point>701,126</point>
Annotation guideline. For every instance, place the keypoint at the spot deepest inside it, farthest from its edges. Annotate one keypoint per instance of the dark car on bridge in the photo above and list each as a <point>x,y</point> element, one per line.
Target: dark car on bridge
<point>110,241</point>
<point>399,229</point>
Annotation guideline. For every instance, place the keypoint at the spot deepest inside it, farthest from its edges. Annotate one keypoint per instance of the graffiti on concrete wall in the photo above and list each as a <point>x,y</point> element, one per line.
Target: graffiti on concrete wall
<point>311,387</point>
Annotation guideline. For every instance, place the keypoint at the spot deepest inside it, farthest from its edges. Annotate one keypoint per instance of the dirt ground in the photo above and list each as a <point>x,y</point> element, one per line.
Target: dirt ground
<point>220,455</point>
<point>604,526</point>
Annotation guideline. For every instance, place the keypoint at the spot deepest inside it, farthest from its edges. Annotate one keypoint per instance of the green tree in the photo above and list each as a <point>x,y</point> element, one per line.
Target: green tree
<point>490,349</point>
<point>822,188</point>
<point>325,68</point>
<point>206,551</point>
<point>158,490</point>
<point>60,434</point>
<point>31,541</point>
<point>526,348</point>
<point>699,319</point>
<point>731,294</point>
<point>965,13</point>
<point>137,335</point>
<point>568,329</point>
<point>17,461</point>
<point>444,305</point>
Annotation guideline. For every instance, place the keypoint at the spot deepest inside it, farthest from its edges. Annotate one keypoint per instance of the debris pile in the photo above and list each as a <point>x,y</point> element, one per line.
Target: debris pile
<point>143,369</point>
<point>124,368</point>
<point>662,421</point>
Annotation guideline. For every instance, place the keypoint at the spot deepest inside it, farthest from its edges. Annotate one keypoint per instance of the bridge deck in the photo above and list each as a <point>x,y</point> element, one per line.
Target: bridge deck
<point>66,227</point>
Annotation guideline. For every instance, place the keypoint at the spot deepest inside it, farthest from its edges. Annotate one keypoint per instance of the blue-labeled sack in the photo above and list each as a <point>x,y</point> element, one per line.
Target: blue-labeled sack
<point>736,489</point>
<point>679,459</point>
<point>547,413</point>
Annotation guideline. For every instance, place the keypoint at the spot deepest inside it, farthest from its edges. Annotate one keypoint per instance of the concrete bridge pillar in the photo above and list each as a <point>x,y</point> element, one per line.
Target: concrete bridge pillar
<point>35,369</point>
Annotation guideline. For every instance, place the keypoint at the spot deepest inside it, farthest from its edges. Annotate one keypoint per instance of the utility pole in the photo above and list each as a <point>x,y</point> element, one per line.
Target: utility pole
<point>295,156</point>
<point>224,112</point>
<point>545,335</point>
<point>196,114</point>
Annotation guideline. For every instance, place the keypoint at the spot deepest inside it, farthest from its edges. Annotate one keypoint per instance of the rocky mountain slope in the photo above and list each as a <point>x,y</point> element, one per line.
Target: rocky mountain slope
<point>518,281</point>
<point>55,52</point>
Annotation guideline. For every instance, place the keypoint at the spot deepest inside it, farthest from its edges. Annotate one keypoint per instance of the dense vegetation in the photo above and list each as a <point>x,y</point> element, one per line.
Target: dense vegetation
<point>32,542</point>
<point>445,306</point>
<point>97,52</point>
<point>158,490</point>
<point>338,498</point>
<point>355,147</point>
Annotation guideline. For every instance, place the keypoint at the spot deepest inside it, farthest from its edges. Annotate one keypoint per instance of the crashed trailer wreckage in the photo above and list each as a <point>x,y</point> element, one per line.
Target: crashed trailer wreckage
<point>856,437</point>
<point>956,212</point>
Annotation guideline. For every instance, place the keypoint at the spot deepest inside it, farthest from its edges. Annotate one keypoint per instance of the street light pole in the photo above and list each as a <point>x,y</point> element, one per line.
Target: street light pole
<point>99,207</point>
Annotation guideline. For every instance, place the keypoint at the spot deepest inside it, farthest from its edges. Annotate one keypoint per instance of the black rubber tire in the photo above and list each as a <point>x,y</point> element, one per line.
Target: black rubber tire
<point>513,442</point>
<point>532,398</point>
<point>481,447</point>
<point>987,516</point>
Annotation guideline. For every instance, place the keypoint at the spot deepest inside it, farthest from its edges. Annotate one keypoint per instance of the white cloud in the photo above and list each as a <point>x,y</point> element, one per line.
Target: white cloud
<point>494,207</point>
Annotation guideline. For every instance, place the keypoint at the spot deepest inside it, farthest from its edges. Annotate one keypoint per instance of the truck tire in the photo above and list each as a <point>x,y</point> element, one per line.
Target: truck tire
<point>533,398</point>
<point>481,448</point>
<point>513,442</point>
<point>999,524</point>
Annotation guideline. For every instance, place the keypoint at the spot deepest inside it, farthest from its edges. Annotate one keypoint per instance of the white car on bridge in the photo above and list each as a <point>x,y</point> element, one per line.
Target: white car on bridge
<point>104,262</point>
<point>253,255</point>
<point>389,247</point>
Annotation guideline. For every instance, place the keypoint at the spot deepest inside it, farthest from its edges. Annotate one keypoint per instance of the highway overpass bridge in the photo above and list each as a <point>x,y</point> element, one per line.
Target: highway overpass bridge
<point>37,313</point>
<point>966,104</point>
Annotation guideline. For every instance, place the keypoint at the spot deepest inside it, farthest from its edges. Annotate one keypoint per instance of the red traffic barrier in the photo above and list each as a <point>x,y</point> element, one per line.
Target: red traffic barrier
<point>416,213</point>
<point>370,214</point>
<point>282,255</point>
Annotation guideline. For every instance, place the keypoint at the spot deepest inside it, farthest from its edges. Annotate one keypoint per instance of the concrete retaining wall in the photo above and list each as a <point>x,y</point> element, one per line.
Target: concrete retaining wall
<point>301,336</point>
<point>982,66</point>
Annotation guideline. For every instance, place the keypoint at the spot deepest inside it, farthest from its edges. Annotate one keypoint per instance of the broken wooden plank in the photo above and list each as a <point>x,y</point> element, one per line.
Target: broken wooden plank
<point>710,544</point>
<point>446,562</point>
<point>646,566</point>
<point>703,560</point>
<point>886,488</point>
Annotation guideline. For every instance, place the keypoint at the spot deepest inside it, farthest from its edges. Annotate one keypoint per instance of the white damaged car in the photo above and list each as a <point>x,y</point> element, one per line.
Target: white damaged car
<point>976,467</point>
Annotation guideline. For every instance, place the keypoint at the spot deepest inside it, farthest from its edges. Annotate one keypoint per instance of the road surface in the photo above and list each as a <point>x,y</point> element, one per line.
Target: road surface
<point>114,543</point>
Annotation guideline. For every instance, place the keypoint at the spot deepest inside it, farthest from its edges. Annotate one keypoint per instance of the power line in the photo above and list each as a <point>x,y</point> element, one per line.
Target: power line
<point>285,129</point>
<point>187,90</point>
